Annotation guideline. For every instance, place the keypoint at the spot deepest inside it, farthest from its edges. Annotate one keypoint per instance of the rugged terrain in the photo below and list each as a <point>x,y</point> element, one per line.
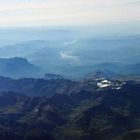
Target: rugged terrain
<point>92,109</point>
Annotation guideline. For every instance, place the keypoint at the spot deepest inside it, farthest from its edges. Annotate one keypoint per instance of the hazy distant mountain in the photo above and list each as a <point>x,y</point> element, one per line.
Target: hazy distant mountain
<point>119,68</point>
<point>22,49</point>
<point>18,67</point>
<point>101,74</point>
<point>74,57</point>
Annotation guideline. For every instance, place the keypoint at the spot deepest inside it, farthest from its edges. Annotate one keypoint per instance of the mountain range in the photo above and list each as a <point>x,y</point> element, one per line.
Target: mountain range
<point>74,57</point>
<point>18,67</point>
<point>64,86</point>
<point>73,110</point>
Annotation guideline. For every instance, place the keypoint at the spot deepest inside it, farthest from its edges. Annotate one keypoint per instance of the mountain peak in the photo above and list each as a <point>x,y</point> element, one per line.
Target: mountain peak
<point>17,67</point>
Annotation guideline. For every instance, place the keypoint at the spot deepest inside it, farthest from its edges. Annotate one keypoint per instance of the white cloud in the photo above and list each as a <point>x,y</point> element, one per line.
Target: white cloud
<point>70,57</point>
<point>68,43</point>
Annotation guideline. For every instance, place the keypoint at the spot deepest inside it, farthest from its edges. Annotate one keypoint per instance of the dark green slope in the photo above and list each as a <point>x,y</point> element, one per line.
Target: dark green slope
<point>86,113</point>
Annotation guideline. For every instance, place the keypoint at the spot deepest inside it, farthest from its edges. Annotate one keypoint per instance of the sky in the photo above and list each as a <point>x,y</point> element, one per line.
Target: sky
<point>69,12</point>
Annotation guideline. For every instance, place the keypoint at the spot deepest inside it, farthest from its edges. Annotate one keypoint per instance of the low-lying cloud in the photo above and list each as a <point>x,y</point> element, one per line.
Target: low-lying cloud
<point>72,42</point>
<point>69,56</point>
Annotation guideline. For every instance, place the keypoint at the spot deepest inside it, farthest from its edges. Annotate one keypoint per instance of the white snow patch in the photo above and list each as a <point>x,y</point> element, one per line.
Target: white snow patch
<point>104,83</point>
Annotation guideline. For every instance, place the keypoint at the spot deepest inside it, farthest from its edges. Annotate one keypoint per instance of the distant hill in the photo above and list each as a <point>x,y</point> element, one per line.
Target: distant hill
<point>22,49</point>
<point>101,74</point>
<point>18,67</point>
<point>118,68</point>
